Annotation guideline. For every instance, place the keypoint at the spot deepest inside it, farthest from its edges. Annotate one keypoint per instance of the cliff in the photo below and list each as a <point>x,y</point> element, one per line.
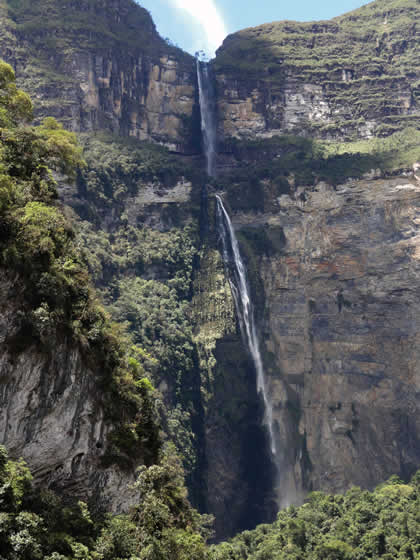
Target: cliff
<point>72,399</point>
<point>50,412</point>
<point>355,76</point>
<point>317,128</point>
<point>339,330</point>
<point>102,66</point>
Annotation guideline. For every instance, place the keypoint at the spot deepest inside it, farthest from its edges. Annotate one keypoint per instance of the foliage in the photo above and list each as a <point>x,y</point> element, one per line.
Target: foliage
<point>15,105</point>
<point>39,525</point>
<point>36,238</point>
<point>40,247</point>
<point>358,525</point>
<point>395,152</point>
<point>34,524</point>
<point>269,168</point>
<point>168,526</point>
<point>63,150</point>
<point>158,320</point>
<point>87,24</point>
<point>139,250</point>
<point>117,167</point>
<point>144,274</point>
<point>38,243</point>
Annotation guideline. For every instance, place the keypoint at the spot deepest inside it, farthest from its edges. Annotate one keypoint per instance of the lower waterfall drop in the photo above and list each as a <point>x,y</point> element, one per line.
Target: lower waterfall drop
<point>244,309</point>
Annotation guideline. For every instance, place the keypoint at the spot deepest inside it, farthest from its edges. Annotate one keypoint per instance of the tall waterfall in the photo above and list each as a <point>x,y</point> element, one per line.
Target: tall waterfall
<point>241,294</point>
<point>208,114</point>
<point>231,254</point>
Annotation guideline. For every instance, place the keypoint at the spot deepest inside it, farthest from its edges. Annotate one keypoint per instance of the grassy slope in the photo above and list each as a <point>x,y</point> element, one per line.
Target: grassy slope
<point>56,24</point>
<point>377,45</point>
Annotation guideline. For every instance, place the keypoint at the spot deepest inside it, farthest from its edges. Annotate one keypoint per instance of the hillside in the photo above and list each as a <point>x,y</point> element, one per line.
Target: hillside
<point>133,353</point>
<point>101,65</point>
<point>353,76</point>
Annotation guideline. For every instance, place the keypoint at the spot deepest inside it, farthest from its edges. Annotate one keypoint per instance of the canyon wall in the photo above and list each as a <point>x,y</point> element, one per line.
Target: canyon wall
<point>102,66</point>
<point>51,413</point>
<point>339,329</point>
<point>354,76</point>
<point>332,260</point>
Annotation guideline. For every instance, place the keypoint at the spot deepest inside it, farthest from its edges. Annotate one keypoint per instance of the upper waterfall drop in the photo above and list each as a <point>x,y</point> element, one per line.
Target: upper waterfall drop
<point>208,115</point>
<point>243,303</point>
<point>231,253</point>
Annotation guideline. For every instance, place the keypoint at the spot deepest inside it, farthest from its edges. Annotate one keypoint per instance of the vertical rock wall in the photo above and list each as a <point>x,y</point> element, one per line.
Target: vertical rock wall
<point>341,333</point>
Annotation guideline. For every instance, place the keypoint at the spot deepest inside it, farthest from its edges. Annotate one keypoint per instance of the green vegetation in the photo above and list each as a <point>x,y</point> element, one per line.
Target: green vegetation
<point>36,238</point>
<point>270,168</point>
<point>40,248</point>
<point>158,321</point>
<point>139,250</point>
<point>144,275</point>
<point>87,24</point>
<point>38,243</point>
<point>381,524</point>
<point>365,62</point>
<point>360,41</point>
<point>117,167</point>
<point>393,153</point>
<point>15,105</point>
<point>38,525</point>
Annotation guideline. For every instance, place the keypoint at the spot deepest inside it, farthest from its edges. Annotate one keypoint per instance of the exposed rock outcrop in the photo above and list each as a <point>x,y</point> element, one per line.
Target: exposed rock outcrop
<point>354,76</point>
<point>102,66</point>
<point>340,331</point>
<point>51,413</point>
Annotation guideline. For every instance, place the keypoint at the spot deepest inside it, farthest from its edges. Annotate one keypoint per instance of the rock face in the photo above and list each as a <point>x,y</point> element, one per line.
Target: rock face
<point>234,442</point>
<point>351,77</point>
<point>334,270</point>
<point>341,334</point>
<point>104,68</point>
<point>50,413</point>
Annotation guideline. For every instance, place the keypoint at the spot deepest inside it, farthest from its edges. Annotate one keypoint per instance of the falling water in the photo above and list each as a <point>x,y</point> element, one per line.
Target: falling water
<point>231,254</point>
<point>244,309</point>
<point>208,114</point>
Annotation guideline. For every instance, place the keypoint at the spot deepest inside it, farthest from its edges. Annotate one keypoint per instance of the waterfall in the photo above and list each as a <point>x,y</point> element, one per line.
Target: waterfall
<point>242,297</point>
<point>208,114</point>
<point>231,254</point>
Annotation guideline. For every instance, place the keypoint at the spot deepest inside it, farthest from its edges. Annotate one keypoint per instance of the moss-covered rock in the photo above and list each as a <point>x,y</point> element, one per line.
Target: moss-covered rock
<point>102,65</point>
<point>352,76</point>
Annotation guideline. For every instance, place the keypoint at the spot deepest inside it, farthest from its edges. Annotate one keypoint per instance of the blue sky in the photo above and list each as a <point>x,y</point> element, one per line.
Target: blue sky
<point>202,24</point>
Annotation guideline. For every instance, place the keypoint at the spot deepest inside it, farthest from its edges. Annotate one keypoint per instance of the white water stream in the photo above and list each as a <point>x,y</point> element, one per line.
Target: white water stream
<point>208,111</point>
<point>231,254</point>
<point>243,303</point>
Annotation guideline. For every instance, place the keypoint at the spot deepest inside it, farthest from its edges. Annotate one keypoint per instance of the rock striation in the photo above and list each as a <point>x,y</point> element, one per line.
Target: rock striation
<point>354,76</point>
<point>333,262</point>
<point>340,332</point>
<point>102,66</point>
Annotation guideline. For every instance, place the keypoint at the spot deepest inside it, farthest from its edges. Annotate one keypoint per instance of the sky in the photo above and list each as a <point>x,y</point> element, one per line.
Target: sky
<point>196,25</point>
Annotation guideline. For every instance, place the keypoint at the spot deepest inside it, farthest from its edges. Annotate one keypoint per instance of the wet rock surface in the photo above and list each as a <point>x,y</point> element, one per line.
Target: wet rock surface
<point>340,331</point>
